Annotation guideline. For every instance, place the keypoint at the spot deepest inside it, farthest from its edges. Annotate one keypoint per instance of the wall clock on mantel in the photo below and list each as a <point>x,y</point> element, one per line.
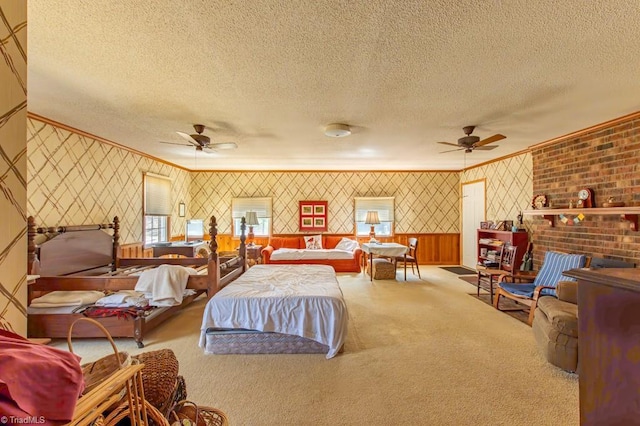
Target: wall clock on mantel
<point>585,198</point>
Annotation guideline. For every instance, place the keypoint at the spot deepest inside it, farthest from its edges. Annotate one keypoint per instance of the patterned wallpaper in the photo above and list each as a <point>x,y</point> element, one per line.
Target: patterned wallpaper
<point>509,186</point>
<point>425,202</point>
<point>13,166</point>
<point>76,180</point>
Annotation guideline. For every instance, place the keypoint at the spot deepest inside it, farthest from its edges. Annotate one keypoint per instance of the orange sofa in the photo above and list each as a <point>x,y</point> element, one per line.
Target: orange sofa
<point>328,242</point>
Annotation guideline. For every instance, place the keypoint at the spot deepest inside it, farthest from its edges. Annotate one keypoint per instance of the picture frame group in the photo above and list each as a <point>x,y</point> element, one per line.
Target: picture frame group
<point>313,216</point>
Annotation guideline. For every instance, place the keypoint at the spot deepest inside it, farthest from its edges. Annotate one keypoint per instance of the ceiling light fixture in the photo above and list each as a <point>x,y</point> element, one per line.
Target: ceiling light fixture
<point>337,130</point>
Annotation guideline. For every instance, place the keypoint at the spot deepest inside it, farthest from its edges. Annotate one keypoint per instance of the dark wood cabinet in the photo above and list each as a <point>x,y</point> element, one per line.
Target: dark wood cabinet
<point>490,240</point>
<point>608,345</point>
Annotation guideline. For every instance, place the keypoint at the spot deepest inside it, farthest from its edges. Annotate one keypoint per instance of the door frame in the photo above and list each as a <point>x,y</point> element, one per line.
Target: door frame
<point>484,213</point>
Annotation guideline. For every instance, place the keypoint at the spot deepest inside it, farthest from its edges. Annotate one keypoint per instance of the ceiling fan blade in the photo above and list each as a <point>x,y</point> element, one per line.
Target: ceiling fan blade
<point>485,148</point>
<point>223,145</point>
<point>208,150</point>
<point>451,150</point>
<point>489,140</point>
<point>449,143</point>
<point>188,138</point>
<point>175,143</point>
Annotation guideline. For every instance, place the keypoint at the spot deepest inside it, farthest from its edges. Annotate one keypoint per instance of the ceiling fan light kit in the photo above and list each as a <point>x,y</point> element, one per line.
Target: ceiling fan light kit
<point>337,130</point>
<point>468,143</point>
<point>203,142</point>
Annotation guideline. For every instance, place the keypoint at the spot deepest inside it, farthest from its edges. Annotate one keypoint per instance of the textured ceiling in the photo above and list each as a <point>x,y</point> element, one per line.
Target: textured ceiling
<point>270,75</point>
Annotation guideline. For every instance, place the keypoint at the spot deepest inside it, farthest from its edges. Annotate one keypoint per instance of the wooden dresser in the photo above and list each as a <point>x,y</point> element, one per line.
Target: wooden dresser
<point>609,345</point>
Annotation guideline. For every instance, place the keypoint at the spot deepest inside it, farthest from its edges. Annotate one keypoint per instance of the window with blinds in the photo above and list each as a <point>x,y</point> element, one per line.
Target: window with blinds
<point>385,207</point>
<point>156,208</point>
<point>157,195</point>
<point>261,206</point>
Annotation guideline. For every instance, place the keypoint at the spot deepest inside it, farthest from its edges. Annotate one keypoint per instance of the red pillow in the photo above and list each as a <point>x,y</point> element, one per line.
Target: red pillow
<point>285,242</point>
<point>330,242</point>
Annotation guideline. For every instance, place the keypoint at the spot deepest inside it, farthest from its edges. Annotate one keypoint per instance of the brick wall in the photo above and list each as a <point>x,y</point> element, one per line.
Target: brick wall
<point>606,160</point>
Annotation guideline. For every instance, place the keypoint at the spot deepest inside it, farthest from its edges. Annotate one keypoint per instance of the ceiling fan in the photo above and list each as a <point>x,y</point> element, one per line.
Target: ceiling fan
<point>468,143</point>
<point>202,142</point>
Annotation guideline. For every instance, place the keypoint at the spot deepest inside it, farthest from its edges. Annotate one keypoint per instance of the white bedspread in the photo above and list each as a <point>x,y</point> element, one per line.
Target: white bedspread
<point>57,299</point>
<point>303,254</point>
<point>301,300</point>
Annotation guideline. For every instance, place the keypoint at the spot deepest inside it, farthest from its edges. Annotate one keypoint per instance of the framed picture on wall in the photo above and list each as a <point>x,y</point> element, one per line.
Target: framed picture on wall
<point>313,216</point>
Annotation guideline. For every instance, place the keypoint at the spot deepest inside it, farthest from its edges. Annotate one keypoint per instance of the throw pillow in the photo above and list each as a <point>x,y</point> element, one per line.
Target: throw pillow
<point>347,244</point>
<point>313,242</point>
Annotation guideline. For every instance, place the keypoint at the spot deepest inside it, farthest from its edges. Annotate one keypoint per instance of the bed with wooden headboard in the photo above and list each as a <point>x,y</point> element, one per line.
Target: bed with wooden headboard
<point>85,257</point>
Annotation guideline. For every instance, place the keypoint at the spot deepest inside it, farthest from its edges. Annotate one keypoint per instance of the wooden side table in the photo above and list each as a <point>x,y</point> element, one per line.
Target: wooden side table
<point>254,255</point>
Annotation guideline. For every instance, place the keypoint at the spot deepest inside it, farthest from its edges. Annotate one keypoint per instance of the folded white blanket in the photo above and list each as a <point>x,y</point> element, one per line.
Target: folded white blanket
<point>66,298</point>
<point>164,285</point>
<point>123,299</point>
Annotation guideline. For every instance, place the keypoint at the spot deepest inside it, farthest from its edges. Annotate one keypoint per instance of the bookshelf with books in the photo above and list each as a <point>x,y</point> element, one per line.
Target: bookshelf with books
<point>490,243</point>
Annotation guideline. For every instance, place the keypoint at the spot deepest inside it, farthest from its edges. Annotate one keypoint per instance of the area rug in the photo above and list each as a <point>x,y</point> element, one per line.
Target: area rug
<point>522,316</point>
<point>460,270</point>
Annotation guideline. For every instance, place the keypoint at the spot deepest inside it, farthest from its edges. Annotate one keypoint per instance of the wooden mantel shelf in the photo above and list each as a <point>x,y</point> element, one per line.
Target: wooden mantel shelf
<point>626,213</point>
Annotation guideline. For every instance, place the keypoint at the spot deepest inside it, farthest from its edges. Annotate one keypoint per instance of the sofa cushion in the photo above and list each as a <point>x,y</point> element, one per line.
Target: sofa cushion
<point>330,242</point>
<point>286,242</point>
<point>563,316</point>
<point>568,291</point>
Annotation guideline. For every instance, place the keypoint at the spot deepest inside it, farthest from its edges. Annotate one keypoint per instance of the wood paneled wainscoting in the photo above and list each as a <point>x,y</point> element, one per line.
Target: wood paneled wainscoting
<point>134,250</point>
<point>433,249</point>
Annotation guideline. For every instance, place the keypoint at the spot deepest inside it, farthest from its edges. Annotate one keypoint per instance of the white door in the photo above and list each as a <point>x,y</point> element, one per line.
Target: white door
<point>473,212</point>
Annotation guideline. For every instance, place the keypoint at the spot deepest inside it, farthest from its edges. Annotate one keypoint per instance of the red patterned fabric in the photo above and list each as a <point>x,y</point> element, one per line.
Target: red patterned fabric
<point>121,313</point>
<point>38,381</point>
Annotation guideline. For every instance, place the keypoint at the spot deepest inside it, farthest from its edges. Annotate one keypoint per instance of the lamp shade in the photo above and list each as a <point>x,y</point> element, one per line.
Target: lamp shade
<point>372,218</point>
<point>251,219</point>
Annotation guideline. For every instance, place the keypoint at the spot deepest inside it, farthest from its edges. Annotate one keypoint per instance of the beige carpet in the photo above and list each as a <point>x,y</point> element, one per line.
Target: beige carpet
<point>420,352</point>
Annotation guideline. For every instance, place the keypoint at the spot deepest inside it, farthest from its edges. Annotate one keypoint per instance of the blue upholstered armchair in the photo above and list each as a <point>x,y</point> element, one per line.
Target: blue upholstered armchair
<point>545,282</point>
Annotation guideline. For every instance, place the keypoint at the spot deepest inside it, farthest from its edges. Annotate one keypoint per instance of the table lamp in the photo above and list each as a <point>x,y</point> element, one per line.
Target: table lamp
<point>251,219</point>
<point>372,219</point>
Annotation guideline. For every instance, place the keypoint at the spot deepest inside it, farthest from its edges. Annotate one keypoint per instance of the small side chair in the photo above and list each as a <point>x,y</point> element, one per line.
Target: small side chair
<point>411,257</point>
<point>505,268</point>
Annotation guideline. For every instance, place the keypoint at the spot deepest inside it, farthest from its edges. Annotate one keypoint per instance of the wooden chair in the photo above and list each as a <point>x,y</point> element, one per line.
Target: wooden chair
<point>411,257</point>
<point>505,268</point>
<point>545,281</point>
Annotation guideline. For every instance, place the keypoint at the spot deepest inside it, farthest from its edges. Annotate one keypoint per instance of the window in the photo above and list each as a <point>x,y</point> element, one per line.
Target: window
<point>262,207</point>
<point>155,229</point>
<point>385,208</point>
<point>157,208</point>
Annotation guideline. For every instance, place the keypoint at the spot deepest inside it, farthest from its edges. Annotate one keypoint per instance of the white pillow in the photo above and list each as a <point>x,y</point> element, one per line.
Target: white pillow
<point>347,244</point>
<point>313,242</point>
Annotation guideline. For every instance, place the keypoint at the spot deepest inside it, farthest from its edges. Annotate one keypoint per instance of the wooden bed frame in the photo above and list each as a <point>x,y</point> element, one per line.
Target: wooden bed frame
<point>219,272</point>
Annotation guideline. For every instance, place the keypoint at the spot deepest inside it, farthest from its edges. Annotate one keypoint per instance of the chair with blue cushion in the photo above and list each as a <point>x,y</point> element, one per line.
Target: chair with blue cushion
<point>545,282</point>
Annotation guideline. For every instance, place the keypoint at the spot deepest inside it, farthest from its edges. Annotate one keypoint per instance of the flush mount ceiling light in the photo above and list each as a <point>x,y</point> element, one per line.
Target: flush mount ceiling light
<point>337,130</point>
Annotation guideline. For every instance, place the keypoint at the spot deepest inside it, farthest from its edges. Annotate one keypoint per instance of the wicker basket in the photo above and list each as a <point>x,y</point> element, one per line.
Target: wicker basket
<point>154,416</point>
<point>159,376</point>
<point>198,415</point>
<point>96,372</point>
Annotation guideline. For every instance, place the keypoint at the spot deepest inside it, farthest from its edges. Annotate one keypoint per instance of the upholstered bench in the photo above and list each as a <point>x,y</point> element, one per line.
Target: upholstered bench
<point>383,270</point>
